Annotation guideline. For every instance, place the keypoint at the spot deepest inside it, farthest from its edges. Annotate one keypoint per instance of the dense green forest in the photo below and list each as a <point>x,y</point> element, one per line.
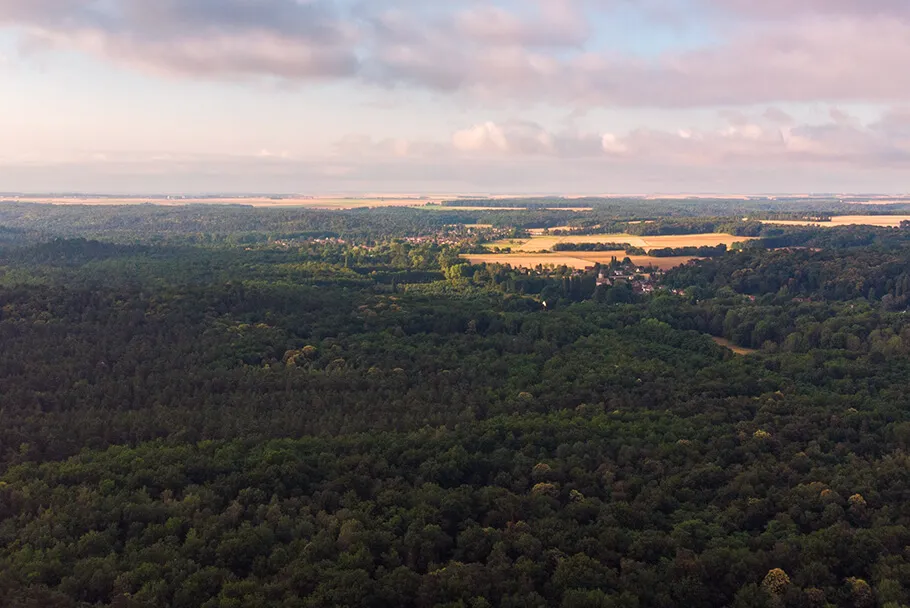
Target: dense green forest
<point>311,409</point>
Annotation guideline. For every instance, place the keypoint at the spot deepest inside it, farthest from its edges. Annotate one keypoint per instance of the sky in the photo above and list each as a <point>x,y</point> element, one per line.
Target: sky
<point>462,96</point>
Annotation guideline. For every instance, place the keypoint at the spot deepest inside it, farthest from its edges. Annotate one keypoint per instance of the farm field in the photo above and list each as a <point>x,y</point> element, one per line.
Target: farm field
<point>546,243</point>
<point>885,221</point>
<point>579,261</point>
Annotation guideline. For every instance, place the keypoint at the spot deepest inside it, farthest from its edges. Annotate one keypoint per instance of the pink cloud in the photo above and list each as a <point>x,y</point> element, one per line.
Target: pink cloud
<point>832,51</point>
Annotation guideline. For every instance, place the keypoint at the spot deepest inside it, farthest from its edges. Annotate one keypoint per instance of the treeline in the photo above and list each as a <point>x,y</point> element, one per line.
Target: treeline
<point>664,226</point>
<point>704,251</point>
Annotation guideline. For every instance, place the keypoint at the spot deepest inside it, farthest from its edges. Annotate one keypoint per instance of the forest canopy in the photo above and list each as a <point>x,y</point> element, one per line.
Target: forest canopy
<point>311,409</point>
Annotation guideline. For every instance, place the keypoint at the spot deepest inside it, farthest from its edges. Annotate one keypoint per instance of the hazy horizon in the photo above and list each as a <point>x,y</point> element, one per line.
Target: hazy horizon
<point>543,96</point>
<point>240,195</point>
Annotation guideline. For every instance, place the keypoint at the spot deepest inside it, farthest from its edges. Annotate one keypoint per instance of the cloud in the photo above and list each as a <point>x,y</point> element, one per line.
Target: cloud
<point>894,123</point>
<point>611,144</point>
<point>224,38</point>
<point>558,24</point>
<point>788,9</point>
<point>777,116</point>
<point>844,59</point>
<point>745,140</point>
<point>485,137</point>
<point>524,138</point>
<point>539,51</point>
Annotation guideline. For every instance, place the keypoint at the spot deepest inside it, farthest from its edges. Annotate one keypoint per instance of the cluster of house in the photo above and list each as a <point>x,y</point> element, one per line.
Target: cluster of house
<point>641,280</point>
<point>439,239</point>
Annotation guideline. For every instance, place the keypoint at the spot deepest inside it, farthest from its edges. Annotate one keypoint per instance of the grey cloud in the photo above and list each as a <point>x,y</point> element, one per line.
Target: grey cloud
<point>788,9</point>
<point>217,38</point>
<point>315,19</point>
<point>894,122</point>
<point>778,116</point>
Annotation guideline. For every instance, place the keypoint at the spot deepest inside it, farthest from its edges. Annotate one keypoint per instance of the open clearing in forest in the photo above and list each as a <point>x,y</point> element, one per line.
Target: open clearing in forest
<point>739,350</point>
<point>579,261</point>
<point>882,221</point>
<point>546,243</point>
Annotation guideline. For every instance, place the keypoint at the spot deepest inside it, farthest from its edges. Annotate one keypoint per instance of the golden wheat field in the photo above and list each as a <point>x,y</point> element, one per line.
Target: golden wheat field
<point>546,243</point>
<point>882,221</point>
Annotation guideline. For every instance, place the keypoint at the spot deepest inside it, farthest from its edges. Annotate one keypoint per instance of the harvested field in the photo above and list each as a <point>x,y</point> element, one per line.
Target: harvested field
<point>883,221</point>
<point>579,261</point>
<point>546,243</point>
